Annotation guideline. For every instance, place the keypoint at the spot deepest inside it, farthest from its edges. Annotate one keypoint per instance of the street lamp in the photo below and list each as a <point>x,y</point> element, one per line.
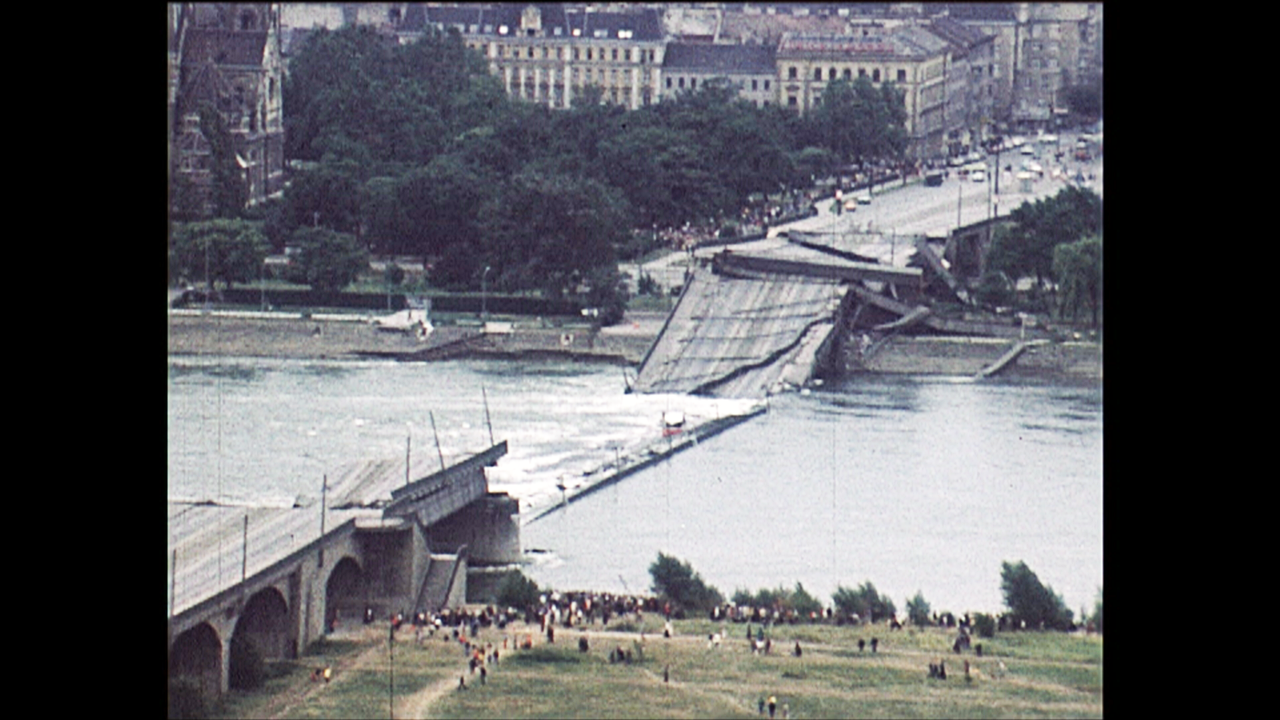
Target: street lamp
<point>484,295</point>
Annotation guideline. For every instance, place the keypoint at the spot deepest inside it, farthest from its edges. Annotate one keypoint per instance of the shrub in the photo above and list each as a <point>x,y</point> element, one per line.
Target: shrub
<point>1030,601</point>
<point>985,625</point>
<point>517,591</point>
<point>678,582</point>
<point>918,610</point>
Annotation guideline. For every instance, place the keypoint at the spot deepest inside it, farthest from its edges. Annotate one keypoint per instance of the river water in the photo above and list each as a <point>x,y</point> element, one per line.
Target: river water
<point>912,483</point>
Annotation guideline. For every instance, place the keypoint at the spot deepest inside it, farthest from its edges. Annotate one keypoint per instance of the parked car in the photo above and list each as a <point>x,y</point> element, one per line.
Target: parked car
<point>933,179</point>
<point>864,199</point>
<point>978,176</point>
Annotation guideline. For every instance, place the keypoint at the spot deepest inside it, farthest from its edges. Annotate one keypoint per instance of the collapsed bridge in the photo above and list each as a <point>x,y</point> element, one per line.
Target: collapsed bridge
<point>755,324</point>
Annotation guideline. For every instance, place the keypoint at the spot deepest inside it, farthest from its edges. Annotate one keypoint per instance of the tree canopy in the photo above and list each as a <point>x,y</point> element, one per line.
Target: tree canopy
<point>217,250</point>
<point>416,149</point>
<point>1030,601</point>
<point>865,602</point>
<point>677,581</point>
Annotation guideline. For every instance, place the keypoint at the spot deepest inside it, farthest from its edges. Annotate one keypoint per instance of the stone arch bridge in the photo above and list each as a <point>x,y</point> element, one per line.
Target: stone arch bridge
<point>274,580</point>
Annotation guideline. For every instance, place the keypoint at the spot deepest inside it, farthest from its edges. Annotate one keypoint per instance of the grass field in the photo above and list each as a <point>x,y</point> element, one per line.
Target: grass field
<point>1046,675</point>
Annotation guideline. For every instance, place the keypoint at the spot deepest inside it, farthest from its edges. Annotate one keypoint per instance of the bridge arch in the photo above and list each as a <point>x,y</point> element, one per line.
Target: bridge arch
<point>195,661</point>
<point>262,631</point>
<point>345,593</point>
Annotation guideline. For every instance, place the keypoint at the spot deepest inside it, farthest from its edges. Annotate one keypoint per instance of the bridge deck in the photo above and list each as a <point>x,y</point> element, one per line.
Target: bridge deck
<point>733,337</point>
<point>210,541</point>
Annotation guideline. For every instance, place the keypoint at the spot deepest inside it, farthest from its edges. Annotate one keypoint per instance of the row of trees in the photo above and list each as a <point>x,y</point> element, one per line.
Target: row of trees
<point>1057,241</point>
<point>1028,600</point>
<point>416,149</point>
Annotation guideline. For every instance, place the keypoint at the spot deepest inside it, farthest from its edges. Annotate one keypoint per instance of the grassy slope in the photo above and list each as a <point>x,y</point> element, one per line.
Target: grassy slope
<point>1049,675</point>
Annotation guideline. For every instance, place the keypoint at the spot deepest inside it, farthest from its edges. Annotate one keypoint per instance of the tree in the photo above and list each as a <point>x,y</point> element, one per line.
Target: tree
<point>1078,269</point>
<point>1026,248</point>
<point>1030,601</point>
<point>551,231</point>
<point>864,602</point>
<point>918,610</point>
<point>1085,97</point>
<point>329,260</point>
<point>517,591</point>
<point>1096,619</point>
<point>226,250</point>
<point>677,581</point>
<point>228,191</point>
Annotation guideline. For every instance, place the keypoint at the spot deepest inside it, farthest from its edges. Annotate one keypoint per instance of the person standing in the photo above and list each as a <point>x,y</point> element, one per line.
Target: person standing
<point>773,705</point>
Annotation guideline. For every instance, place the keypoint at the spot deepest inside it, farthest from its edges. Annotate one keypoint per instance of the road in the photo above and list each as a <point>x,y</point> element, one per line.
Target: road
<point>911,210</point>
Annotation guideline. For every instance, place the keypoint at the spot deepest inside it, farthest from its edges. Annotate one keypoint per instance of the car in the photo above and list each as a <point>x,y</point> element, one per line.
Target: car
<point>978,176</point>
<point>864,199</point>
<point>1027,150</point>
<point>933,179</point>
<point>851,205</point>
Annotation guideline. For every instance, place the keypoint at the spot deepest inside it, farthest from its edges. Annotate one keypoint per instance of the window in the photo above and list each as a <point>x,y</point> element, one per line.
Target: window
<point>875,75</point>
<point>791,73</point>
<point>848,74</point>
<point>615,54</point>
<point>862,72</point>
<point>681,82</point>
<point>668,83</point>
<point>831,74</point>
<point>902,76</point>
<point>531,52</point>
<point>766,84</point>
<point>753,84</point>
<point>588,53</point>
<point>791,101</point>
<point>575,53</point>
<point>817,73</point>
<point>693,83</point>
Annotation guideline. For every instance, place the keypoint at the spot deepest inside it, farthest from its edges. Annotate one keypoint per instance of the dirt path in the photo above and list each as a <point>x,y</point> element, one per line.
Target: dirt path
<point>305,689</point>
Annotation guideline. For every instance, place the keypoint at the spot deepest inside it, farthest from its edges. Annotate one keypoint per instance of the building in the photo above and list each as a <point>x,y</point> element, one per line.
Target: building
<point>227,55</point>
<point>752,69</point>
<point>910,57</point>
<point>551,53</point>
<point>969,113</point>
<point>1039,49</point>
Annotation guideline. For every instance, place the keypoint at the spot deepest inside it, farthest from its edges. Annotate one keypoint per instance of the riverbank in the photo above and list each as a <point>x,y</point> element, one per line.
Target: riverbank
<point>1018,675</point>
<point>352,337</point>
<point>335,337</point>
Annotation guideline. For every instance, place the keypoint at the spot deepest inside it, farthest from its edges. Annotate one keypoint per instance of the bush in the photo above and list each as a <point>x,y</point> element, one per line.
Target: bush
<point>918,610</point>
<point>1030,601</point>
<point>677,581</point>
<point>985,625</point>
<point>865,602</point>
<point>517,591</point>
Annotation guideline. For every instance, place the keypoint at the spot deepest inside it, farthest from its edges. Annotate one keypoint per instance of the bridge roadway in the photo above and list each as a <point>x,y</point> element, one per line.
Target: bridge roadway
<point>756,323</point>
<point>278,578</point>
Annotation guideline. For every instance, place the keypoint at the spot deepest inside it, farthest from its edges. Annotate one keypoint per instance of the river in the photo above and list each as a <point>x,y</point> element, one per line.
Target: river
<point>912,483</point>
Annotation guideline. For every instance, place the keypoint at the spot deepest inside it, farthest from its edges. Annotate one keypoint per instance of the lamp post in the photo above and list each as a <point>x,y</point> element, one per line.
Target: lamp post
<point>484,295</point>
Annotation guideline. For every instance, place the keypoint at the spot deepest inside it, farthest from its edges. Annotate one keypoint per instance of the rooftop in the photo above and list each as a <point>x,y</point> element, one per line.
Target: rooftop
<point>728,59</point>
<point>556,20</point>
